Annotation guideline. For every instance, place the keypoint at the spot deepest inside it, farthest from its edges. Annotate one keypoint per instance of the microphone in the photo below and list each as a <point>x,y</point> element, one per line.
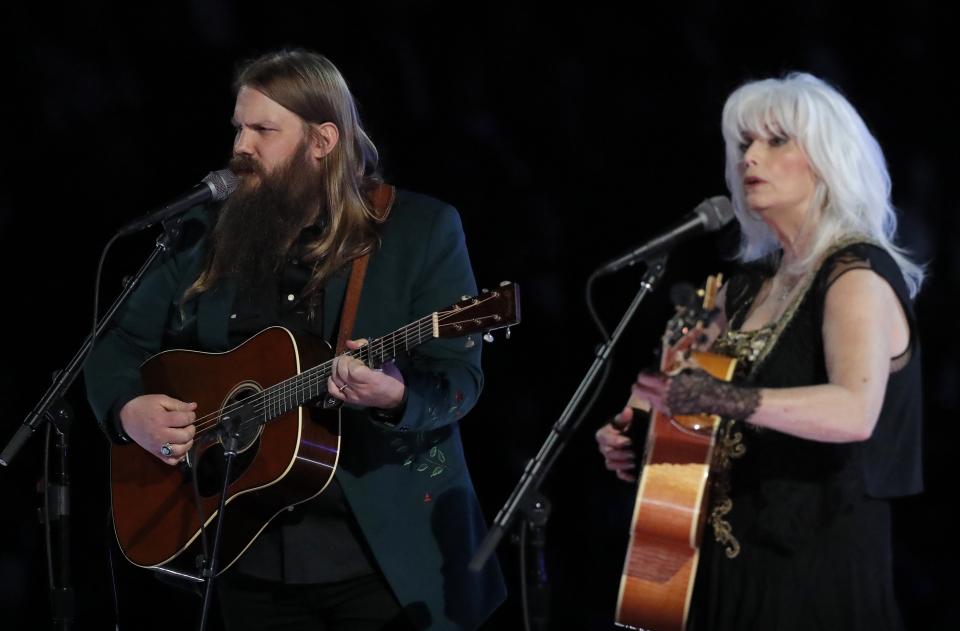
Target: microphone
<point>709,216</point>
<point>216,186</point>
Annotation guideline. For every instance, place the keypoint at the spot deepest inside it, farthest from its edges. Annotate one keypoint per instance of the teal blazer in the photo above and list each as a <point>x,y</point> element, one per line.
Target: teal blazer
<point>406,483</point>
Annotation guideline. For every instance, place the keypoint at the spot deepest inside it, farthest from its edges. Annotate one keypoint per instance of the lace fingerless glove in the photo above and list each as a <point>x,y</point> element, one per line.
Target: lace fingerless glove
<point>696,392</point>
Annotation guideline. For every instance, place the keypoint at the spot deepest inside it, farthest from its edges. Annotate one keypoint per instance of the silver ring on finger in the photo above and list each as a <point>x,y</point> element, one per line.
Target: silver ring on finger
<point>344,386</point>
<point>166,450</point>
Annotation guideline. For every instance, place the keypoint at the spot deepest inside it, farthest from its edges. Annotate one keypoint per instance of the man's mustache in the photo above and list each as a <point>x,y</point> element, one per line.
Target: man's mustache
<point>246,164</point>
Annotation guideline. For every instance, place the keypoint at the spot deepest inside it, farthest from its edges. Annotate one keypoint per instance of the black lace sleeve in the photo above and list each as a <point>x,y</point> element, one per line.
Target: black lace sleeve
<point>871,257</point>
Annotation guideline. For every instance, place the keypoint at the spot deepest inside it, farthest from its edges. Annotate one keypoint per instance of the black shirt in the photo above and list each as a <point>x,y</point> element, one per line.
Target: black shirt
<point>318,541</point>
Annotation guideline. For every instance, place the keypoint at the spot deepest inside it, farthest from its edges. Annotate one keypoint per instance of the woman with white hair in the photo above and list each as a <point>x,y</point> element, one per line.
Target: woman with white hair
<point>825,406</point>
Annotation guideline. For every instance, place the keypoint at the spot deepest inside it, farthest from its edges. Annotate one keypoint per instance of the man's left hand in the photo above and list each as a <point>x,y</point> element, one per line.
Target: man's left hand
<point>355,383</point>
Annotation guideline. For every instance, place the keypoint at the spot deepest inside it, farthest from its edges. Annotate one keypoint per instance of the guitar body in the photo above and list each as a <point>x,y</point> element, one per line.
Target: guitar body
<point>669,515</point>
<point>284,462</point>
<point>673,496</point>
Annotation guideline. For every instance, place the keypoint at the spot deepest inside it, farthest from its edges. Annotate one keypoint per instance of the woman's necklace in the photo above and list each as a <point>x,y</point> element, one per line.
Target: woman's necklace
<point>781,295</point>
<point>783,288</point>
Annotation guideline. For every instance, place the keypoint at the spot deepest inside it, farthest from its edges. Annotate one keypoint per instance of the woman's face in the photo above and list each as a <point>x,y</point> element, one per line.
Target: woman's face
<point>777,178</point>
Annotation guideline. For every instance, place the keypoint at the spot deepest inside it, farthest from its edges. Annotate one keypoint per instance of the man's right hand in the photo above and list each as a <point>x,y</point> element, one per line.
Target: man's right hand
<point>616,447</point>
<point>153,420</point>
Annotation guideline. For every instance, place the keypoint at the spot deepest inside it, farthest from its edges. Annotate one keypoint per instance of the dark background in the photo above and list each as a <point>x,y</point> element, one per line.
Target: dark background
<point>563,137</point>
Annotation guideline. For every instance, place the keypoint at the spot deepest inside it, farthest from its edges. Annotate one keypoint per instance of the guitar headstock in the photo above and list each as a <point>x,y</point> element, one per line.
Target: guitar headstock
<point>488,311</point>
<point>685,331</point>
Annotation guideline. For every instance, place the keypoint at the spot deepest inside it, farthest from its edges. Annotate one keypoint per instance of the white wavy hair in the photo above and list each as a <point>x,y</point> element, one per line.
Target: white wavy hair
<point>853,185</point>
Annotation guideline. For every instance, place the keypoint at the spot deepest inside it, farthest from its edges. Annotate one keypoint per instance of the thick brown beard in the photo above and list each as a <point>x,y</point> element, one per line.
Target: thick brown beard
<point>259,222</point>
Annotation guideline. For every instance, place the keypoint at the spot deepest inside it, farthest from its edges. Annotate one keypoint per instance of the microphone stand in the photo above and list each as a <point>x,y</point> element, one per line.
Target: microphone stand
<point>53,409</point>
<point>536,609</point>
<point>55,516</point>
<point>229,438</point>
<point>524,496</point>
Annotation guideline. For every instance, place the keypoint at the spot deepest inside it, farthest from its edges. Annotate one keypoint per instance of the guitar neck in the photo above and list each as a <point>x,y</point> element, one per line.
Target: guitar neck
<point>488,311</point>
<point>381,350</point>
<point>312,383</point>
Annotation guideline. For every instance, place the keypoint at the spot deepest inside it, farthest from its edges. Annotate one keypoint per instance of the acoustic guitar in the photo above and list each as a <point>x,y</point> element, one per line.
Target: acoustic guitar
<point>287,452</point>
<point>673,494</point>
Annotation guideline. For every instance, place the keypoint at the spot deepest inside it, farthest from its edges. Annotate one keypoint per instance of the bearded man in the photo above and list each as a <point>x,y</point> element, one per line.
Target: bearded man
<point>386,545</point>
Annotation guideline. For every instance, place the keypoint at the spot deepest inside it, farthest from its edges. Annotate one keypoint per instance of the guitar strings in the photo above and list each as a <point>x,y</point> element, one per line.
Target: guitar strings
<point>311,376</point>
<point>281,392</point>
<point>314,378</point>
<point>285,391</point>
<point>318,379</point>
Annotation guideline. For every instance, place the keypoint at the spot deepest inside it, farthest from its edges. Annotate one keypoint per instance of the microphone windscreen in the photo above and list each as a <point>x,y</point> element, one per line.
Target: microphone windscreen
<point>683,295</point>
<point>224,182</point>
<point>716,212</point>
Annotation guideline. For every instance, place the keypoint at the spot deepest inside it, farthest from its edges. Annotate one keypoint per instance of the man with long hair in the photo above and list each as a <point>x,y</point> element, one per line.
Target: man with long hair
<point>386,545</point>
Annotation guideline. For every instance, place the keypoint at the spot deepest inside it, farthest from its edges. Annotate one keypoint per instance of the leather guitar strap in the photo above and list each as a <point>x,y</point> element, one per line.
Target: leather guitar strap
<point>382,200</point>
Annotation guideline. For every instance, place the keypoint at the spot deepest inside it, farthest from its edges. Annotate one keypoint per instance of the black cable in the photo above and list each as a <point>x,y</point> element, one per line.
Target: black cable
<point>113,576</point>
<point>230,454</point>
<point>588,296</point>
<point>607,363</point>
<point>96,292</point>
<point>197,501</point>
<point>48,537</point>
<point>524,602</point>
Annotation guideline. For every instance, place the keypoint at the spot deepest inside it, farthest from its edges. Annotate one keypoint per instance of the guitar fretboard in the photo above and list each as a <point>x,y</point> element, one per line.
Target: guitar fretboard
<point>311,384</point>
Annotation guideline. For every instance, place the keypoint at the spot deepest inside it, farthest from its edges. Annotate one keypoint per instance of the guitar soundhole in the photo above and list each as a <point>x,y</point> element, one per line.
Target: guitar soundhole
<point>212,463</point>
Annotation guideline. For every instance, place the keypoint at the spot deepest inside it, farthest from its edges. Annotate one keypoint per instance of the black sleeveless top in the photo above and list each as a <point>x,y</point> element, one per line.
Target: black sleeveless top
<point>805,522</point>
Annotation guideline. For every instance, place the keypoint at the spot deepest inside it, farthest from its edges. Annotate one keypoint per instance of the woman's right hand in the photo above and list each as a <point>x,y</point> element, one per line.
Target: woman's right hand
<point>154,420</point>
<point>616,447</point>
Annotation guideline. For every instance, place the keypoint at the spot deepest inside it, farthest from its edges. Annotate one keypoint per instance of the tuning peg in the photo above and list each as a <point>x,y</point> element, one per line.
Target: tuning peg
<point>508,333</point>
<point>485,291</point>
<point>464,297</point>
<point>488,337</point>
<point>469,343</point>
<point>504,283</point>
